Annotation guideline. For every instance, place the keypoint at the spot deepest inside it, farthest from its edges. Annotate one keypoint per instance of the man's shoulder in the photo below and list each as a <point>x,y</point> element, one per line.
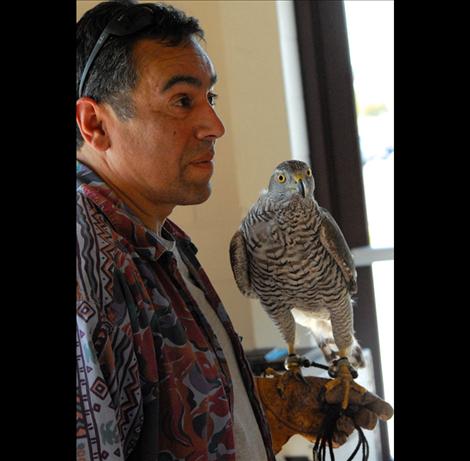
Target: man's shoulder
<point>96,255</point>
<point>96,237</point>
<point>91,221</point>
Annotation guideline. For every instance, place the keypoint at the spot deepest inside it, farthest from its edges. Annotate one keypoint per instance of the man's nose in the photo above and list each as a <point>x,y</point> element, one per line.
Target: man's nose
<point>211,126</point>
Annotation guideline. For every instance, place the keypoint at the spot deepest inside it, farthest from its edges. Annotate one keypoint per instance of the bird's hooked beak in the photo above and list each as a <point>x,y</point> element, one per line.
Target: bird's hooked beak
<point>300,186</point>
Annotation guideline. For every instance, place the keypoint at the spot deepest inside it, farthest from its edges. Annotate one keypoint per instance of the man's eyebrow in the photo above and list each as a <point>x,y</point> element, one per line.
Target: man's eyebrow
<point>189,79</point>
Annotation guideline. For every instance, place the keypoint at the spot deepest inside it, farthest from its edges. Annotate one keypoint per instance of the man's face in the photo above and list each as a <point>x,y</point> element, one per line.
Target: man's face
<point>165,151</point>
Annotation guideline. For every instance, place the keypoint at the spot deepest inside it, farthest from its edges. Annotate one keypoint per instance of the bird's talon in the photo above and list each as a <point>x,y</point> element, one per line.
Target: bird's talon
<point>344,374</point>
<point>330,385</point>
<point>358,388</point>
<point>270,372</point>
<point>301,377</point>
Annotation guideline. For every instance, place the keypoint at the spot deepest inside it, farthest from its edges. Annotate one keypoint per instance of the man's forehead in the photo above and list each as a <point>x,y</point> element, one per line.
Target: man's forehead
<point>161,63</point>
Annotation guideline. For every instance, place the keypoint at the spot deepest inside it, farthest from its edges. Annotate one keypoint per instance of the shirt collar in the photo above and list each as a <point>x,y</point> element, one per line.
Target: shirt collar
<point>123,220</point>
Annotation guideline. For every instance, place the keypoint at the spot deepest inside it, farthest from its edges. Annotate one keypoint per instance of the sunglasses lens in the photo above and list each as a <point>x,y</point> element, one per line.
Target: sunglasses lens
<point>131,21</point>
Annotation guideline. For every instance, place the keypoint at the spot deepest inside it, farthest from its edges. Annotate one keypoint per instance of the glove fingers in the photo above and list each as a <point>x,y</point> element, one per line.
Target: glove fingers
<point>381,408</point>
<point>368,400</point>
<point>365,418</point>
<point>344,428</point>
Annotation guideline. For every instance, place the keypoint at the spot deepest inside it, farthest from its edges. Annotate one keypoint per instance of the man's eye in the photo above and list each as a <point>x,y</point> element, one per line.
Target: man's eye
<point>212,98</point>
<point>184,101</point>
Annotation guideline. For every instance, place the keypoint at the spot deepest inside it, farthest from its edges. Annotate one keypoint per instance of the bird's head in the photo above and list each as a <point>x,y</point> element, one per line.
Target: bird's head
<point>291,178</point>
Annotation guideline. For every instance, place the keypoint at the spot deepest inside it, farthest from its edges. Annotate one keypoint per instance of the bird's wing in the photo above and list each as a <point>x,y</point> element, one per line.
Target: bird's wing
<point>240,264</point>
<point>333,240</point>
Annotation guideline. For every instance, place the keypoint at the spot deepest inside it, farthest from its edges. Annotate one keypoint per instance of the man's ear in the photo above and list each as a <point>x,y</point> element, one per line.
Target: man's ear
<point>90,117</point>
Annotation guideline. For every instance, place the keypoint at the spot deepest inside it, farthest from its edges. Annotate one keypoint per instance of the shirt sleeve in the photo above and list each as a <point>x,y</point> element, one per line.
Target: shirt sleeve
<point>109,403</point>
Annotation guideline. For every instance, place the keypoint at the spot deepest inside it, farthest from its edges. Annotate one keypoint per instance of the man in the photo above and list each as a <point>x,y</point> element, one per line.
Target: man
<point>161,373</point>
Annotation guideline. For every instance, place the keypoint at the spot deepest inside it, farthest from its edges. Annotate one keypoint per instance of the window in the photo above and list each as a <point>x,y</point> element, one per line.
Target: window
<point>346,62</point>
<point>370,37</point>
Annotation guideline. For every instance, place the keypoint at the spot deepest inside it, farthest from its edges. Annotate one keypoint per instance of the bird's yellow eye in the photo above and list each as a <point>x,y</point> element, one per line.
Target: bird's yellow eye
<point>281,178</point>
<point>309,172</point>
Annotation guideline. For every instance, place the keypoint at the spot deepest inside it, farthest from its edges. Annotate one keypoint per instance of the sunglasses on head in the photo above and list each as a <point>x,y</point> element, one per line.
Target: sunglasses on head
<point>135,19</point>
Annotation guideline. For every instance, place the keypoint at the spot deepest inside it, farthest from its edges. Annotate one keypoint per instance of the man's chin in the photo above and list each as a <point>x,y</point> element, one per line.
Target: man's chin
<point>197,195</point>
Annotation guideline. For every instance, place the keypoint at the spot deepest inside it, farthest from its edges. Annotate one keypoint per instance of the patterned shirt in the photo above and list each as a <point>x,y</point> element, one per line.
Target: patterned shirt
<point>152,380</point>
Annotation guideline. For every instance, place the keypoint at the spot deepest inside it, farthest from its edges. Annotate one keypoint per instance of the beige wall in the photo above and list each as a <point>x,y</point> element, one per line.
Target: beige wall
<point>243,42</point>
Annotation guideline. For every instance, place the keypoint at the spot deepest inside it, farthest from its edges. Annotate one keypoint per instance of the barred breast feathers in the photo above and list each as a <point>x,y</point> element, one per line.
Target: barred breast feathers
<point>275,219</point>
<point>285,251</point>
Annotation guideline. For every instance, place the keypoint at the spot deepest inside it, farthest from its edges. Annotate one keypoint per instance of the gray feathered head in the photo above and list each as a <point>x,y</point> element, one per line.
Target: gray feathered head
<point>292,177</point>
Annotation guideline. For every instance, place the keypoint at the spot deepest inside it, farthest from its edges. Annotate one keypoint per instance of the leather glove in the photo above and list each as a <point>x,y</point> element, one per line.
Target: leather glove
<point>293,406</point>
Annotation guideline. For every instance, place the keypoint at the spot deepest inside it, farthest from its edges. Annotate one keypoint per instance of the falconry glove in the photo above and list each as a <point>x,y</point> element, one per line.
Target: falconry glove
<point>296,406</point>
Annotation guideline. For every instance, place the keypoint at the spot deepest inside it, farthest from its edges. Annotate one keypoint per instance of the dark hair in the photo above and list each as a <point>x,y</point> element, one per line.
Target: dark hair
<point>113,73</point>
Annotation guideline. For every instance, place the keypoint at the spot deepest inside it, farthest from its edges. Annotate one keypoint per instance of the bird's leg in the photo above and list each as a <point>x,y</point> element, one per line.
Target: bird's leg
<point>344,374</point>
<point>292,362</point>
<point>292,366</point>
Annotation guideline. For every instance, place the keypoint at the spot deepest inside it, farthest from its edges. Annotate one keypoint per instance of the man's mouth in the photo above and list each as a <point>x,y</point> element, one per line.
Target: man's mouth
<point>205,162</point>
